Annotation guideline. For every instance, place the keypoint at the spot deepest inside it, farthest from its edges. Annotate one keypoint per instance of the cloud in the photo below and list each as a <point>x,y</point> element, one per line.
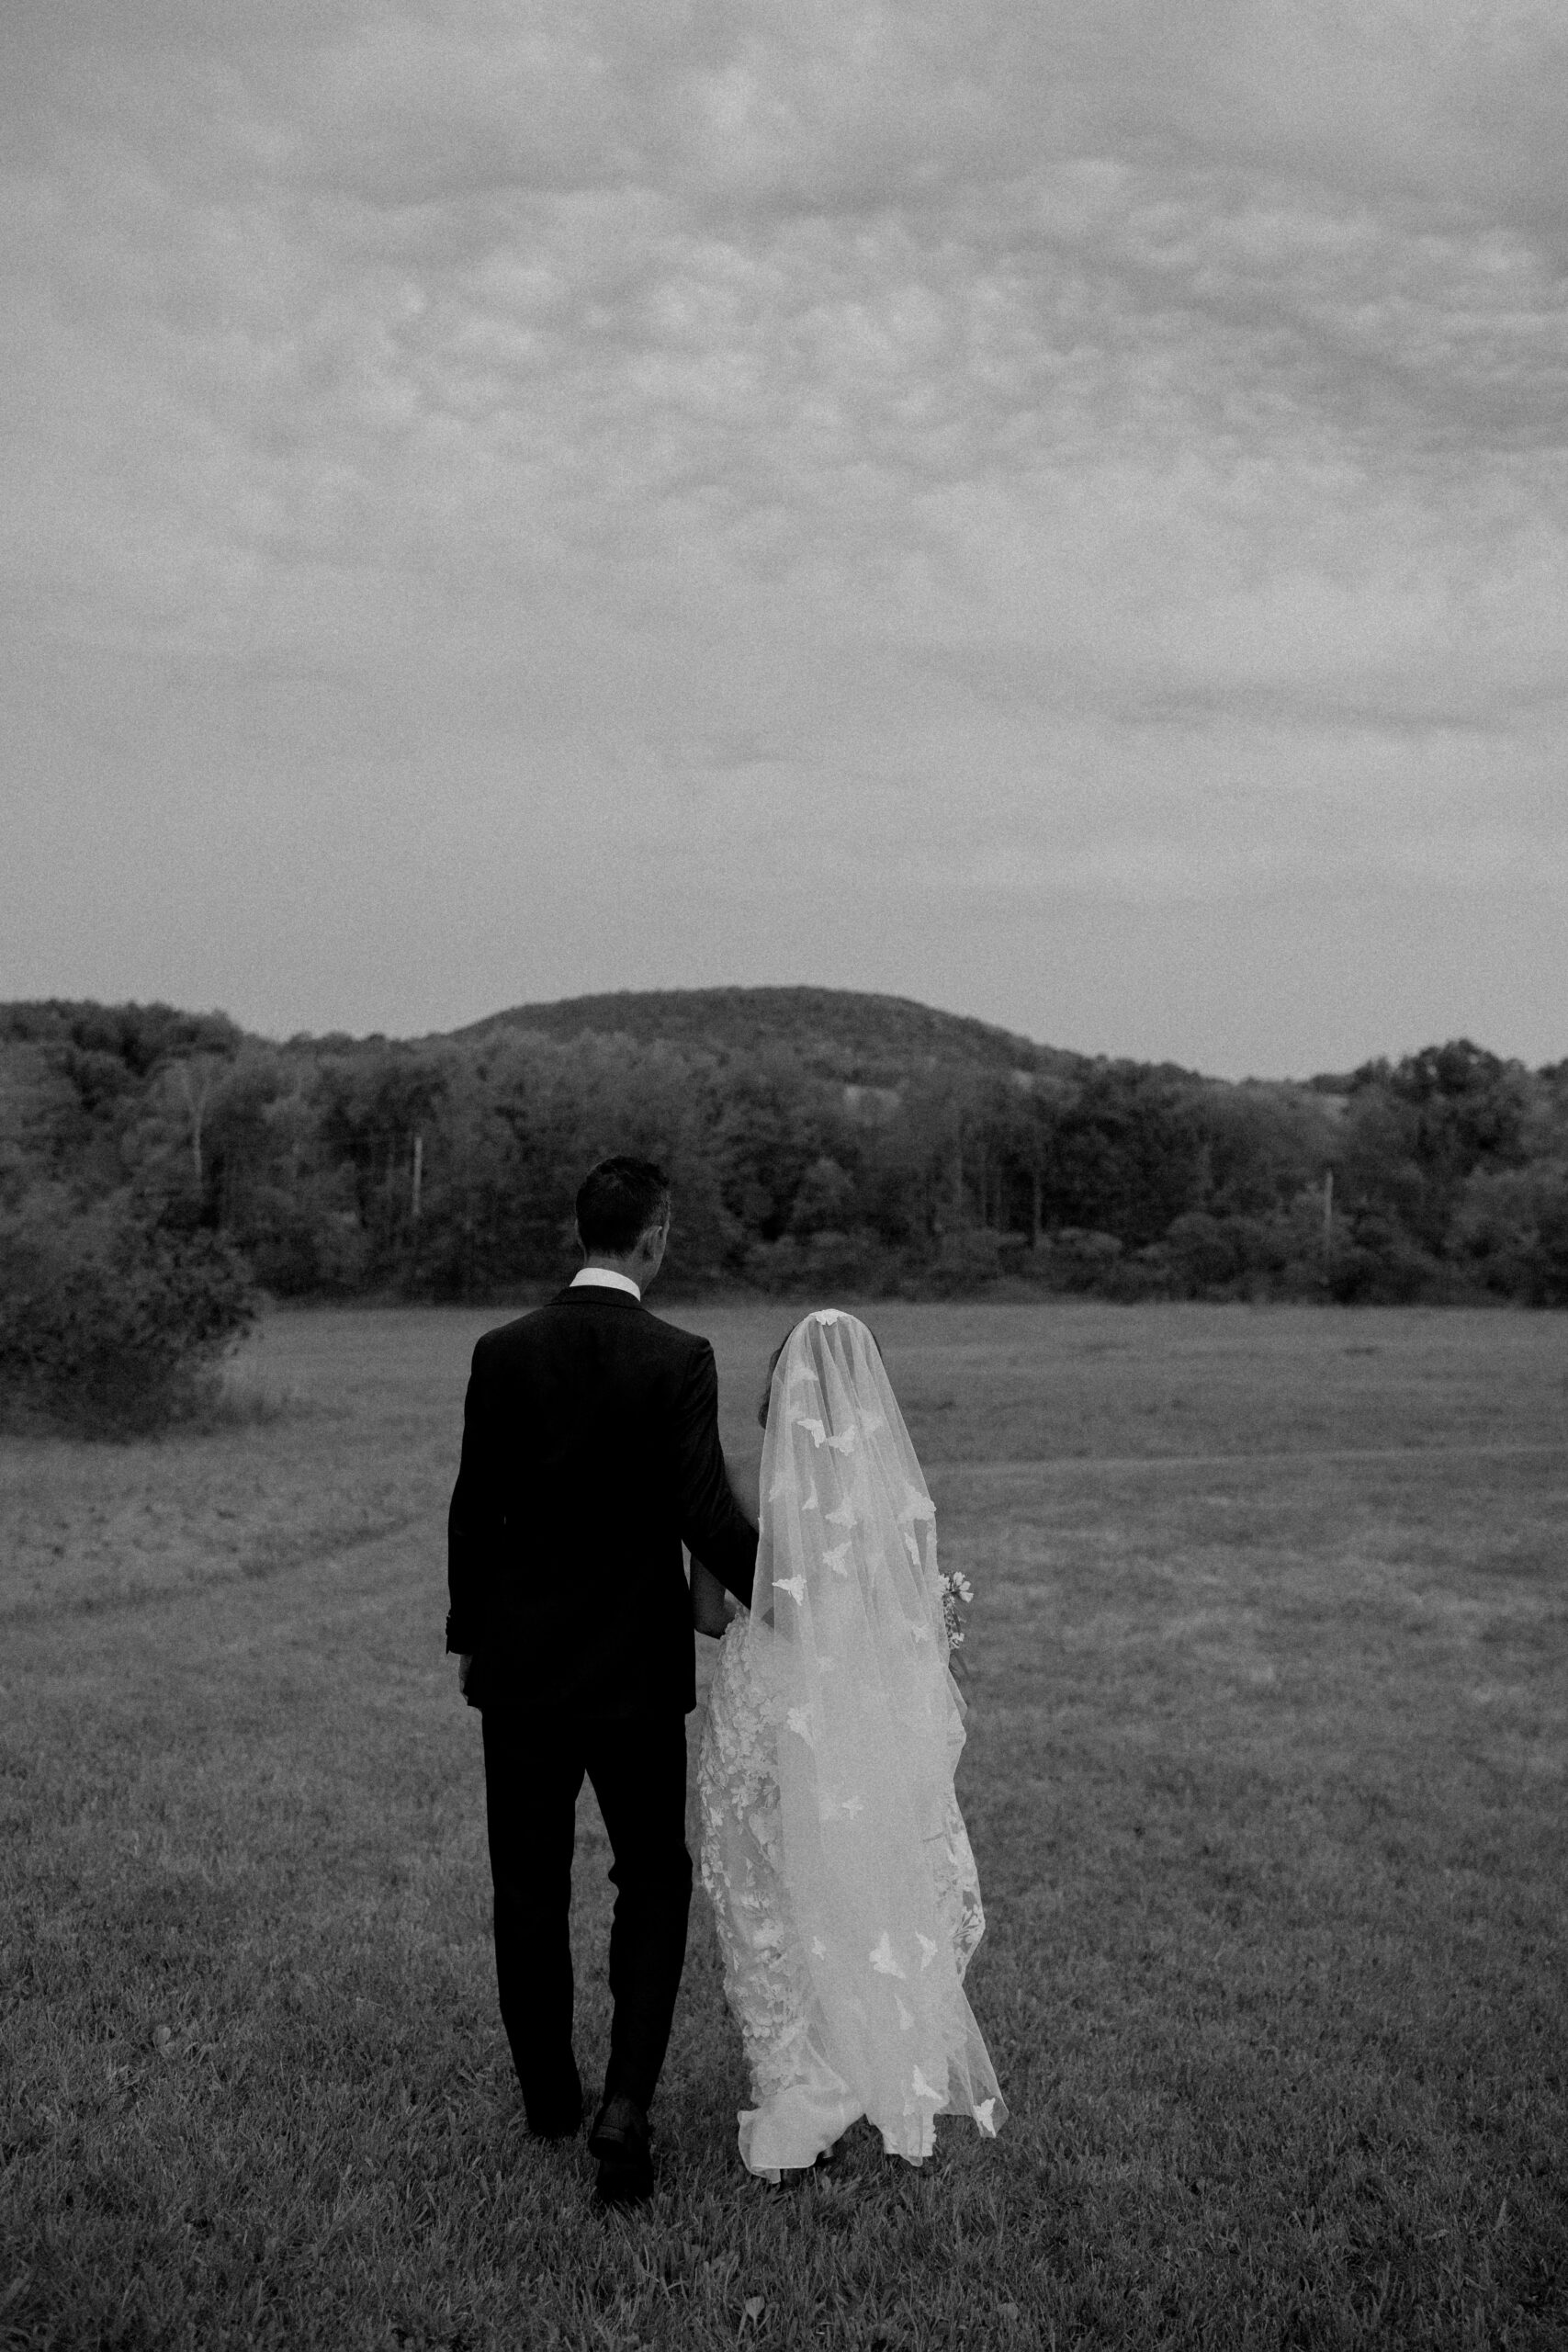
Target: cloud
<point>717,403</point>
<point>465,296</point>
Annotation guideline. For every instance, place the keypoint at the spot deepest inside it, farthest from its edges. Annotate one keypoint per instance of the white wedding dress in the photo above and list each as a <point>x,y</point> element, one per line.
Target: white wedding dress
<point>832,1849</point>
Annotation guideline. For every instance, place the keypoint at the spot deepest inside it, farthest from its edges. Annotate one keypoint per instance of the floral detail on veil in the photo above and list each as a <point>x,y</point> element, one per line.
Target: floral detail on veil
<point>833,1848</point>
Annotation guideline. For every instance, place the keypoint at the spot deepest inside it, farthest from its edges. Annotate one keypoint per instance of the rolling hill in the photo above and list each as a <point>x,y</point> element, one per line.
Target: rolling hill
<point>839,1033</point>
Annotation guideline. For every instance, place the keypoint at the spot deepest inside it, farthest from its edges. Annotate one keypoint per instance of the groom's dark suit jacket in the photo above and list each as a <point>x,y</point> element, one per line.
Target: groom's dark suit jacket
<point>591,1454</point>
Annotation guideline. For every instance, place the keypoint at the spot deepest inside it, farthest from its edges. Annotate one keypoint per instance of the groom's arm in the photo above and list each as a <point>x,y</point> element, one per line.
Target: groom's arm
<point>473,1524</point>
<point>713,1528</point>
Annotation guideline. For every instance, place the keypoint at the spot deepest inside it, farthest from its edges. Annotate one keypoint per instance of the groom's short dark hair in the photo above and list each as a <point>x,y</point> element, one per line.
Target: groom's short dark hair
<point>618,1201</point>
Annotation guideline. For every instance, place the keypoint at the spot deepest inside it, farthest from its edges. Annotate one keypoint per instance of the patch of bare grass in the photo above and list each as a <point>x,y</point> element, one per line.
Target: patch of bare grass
<point>237,1402</point>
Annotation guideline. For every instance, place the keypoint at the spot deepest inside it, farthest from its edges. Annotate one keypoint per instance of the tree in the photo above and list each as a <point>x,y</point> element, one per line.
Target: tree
<point>823,1200</point>
<point>1128,1154</point>
<point>1512,1230</point>
<point>1415,1132</point>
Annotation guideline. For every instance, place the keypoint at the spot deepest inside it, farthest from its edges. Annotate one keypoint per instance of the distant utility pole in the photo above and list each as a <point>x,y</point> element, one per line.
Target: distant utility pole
<point>1327,1214</point>
<point>196,1074</point>
<point>418,1177</point>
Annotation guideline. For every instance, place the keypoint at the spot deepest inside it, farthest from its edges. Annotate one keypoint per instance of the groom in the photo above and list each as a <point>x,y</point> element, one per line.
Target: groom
<point>591,1454</point>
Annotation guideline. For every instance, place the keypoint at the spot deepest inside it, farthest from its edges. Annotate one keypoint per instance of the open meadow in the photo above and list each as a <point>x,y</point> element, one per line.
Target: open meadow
<point>1267,1778</point>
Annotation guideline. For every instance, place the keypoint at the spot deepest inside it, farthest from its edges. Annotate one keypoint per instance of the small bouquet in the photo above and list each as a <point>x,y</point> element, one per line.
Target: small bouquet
<point>956,1588</point>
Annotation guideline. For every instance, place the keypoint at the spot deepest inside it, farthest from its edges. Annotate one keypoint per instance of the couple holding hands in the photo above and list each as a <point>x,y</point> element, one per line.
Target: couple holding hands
<point>833,1852</point>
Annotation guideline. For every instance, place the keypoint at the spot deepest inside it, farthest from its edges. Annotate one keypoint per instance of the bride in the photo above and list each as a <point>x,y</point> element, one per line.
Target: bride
<point>833,1850</point>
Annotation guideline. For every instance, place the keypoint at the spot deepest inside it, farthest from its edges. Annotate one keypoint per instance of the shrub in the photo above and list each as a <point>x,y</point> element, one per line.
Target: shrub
<point>1378,1264</point>
<point>858,1264</point>
<point>967,1261</point>
<point>1141,1274</point>
<point>1075,1258</point>
<point>111,1325</point>
<point>1207,1254</point>
<point>310,1243</point>
<point>1512,1230</point>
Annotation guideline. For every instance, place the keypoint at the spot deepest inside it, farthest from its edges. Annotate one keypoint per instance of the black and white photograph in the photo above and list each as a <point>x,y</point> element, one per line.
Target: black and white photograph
<point>784,1176</point>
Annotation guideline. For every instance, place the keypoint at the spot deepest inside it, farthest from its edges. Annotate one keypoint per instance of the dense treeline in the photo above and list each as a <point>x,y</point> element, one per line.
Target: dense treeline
<point>817,1140</point>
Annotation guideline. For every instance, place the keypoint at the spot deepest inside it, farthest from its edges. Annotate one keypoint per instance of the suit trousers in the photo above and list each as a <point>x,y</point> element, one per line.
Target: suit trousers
<point>533,1769</point>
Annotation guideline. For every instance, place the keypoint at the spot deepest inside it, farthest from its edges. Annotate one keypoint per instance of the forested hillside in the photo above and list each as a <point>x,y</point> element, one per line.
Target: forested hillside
<point>818,1139</point>
<point>833,1033</point>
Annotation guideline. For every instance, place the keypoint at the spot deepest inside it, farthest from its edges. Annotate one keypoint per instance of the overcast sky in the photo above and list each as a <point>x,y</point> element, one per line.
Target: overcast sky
<point>1058,509</point>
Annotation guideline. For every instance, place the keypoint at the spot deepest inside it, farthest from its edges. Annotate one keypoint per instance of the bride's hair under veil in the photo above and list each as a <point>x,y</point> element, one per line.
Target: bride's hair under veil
<point>880,1896</point>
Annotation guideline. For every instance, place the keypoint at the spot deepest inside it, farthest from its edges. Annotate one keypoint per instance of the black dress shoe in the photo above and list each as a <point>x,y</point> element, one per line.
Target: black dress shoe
<point>619,2143</point>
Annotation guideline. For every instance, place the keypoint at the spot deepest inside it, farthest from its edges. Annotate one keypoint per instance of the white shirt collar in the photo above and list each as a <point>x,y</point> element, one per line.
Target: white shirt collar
<point>600,1277</point>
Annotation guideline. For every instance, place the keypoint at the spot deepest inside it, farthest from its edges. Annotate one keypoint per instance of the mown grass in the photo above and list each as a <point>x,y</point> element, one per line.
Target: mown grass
<point>1266,1779</point>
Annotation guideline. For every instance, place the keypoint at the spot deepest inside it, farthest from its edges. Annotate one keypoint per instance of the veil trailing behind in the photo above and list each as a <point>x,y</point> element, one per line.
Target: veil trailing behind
<point>833,1850</point>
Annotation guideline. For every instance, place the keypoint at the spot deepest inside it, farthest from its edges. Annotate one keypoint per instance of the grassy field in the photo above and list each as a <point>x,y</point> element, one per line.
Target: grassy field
<point>1269,1665</point>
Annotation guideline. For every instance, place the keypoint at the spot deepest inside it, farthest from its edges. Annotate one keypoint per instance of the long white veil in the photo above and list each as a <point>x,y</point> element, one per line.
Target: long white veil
<point>879,1886</point>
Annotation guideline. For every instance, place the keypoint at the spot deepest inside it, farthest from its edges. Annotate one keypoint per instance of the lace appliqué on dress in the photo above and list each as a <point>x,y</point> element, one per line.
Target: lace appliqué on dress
<point>739,1795</point>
